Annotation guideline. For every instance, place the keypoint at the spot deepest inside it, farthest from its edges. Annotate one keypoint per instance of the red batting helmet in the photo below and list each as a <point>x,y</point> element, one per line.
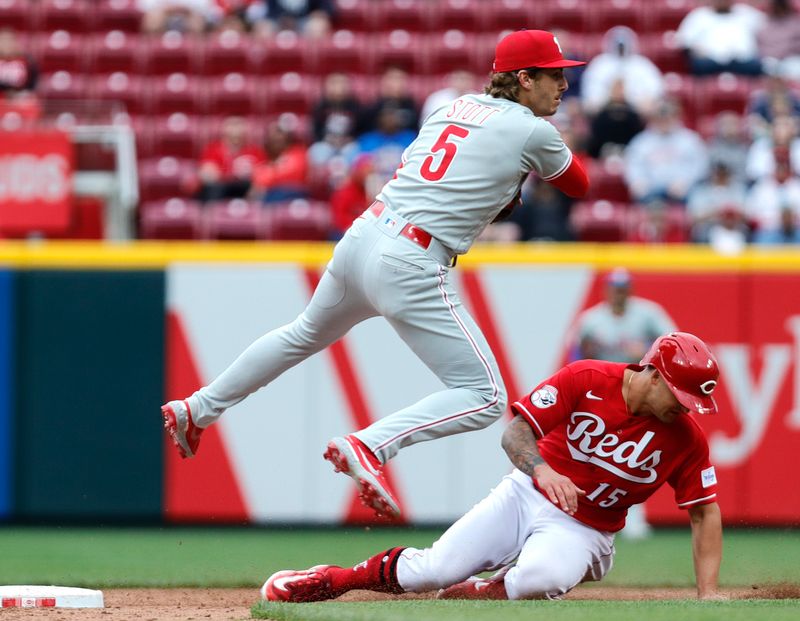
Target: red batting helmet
<point>689,369</point>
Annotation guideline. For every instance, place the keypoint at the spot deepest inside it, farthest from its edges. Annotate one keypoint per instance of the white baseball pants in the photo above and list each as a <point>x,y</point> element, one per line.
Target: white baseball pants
<point>554,552</point>
<point>375,271</point>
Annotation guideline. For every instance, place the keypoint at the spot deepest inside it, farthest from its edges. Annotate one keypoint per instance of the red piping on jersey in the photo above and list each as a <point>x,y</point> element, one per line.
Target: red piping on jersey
<point>492,379</point>
<point>574,181</point>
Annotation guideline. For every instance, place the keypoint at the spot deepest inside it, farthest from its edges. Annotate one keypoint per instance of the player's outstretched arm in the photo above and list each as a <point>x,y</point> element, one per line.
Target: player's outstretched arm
<point>519,443</point>
<point>707,549</point>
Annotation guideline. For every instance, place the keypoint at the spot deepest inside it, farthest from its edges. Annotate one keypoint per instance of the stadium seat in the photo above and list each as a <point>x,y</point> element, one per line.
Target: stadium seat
<point>130,90</point>
<point>569,15</point>
<point>662,48</point>
<point>118,15</point>
<point>233,94</point>
<point>669,225</point>
<point>408,15</point>
<point>607,181</point>
<point>355,15</point>
<point>177,93</point>
<point>457,15</point>
<point>290,92</point>
<point>171,52</point>
<point>174,218</point>
<point>71,15</point>
<point>62,85</point>
<point>397,48</point>
<point>681,88</point>
<point>342,52</point>
<point>116,51</point>
<point>178,135</point>
<point>298,219</point>
<point>18,15</point>
<point>502,15</point>
<point>599,221</point>
<point>164,177</point>
<point>450,50</point>
<point>666,14</point>
<point>725,91</point>
<point>226,52</point>
<point>605,14</point>
<point>285,52</point>
<point>61,50</point>
<point>234,219</point>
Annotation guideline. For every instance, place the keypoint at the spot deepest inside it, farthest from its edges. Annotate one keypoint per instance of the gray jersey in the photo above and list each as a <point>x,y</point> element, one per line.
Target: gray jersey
<point>624,338</point>
<point>468,162</point>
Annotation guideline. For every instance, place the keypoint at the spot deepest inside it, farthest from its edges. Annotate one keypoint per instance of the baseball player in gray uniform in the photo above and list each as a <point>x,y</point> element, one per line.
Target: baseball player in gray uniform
<point>465,167</point>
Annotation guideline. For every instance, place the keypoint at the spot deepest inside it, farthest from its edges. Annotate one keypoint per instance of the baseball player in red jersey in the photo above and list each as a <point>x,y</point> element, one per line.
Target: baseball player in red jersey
<point>587,443</point>
<point>465,167</point>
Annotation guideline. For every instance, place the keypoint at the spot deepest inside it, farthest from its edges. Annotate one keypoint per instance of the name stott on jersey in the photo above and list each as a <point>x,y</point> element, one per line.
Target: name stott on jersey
<point>468,162</point>
<point>586,432</point>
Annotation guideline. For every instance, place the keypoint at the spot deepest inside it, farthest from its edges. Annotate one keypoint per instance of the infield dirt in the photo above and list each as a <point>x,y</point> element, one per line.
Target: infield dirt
<point>234,604</point>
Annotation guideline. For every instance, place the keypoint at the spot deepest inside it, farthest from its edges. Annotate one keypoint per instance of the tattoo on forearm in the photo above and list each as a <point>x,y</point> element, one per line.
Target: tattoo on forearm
<point>520,446</point>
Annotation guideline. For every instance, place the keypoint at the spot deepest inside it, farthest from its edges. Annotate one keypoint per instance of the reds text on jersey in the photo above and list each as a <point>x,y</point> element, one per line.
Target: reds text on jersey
<point>586,433</point>
<point>468,162</point>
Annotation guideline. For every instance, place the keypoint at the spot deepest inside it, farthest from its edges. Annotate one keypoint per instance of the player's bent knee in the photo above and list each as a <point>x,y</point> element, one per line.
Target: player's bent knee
<point>540,582</point>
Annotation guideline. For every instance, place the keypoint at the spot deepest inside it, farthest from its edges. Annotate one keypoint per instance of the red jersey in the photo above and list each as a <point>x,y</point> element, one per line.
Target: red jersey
<point>586,432</point>
<point>233,164</point>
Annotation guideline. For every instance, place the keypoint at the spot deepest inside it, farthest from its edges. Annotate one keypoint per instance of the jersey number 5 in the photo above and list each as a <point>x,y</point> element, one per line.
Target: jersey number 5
<point>449,148</point>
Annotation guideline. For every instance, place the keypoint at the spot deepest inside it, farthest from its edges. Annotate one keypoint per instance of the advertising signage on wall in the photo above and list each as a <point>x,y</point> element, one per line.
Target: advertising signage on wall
<point>35,181</point>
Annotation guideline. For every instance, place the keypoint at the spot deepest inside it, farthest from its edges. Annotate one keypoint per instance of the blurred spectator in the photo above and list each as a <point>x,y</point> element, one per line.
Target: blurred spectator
<point>283,175</point>
<point>614,125</point>
<point>394,90</point>
<point>337,100</point>
<point>332,156</point>
<point>459,82</point>
<point>722,37</point>
<point>311,18</point>
<point>761,155</point>
<point>774,203</point>
<point>353,196</point>
<point>776,99</point>
<point>729,232</point>
<point>729,145</point>
<point>18,71</point>
<point>543,214</point>
<point>181,15</point>
<point>779,39</point>
<point>227,164</point>
<point>387,143</point>
<point>666,159</point>
<point>712,201</point>
<point>642,82</point>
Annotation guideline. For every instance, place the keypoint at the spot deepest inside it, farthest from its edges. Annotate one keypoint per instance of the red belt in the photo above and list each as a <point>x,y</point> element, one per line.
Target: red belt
<point>409,231</point>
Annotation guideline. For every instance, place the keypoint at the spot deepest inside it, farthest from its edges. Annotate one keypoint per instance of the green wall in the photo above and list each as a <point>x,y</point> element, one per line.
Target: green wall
<point>90,350</point>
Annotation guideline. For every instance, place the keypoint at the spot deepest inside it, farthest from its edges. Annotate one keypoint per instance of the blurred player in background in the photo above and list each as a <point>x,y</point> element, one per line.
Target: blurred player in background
<point>464,169</point>
<point>587,443</point>
<point>621,329</point>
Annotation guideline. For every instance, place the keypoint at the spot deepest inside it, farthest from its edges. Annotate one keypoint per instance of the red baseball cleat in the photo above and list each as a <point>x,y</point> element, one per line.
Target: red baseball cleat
<point>350,456</point>
<point>178,423</point>
<point>310,585</point>
<point>475,588</point>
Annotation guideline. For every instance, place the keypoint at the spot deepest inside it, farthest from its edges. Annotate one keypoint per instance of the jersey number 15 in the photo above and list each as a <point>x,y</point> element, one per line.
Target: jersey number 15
<point>450,149</point>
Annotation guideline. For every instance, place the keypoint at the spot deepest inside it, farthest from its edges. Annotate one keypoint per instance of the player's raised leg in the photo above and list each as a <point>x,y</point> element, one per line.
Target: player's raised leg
<point>335,307</point>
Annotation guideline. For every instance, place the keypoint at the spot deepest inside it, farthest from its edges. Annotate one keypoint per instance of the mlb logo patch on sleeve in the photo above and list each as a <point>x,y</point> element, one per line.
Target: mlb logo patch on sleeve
<point>709,477</point>
<point>545,396</point>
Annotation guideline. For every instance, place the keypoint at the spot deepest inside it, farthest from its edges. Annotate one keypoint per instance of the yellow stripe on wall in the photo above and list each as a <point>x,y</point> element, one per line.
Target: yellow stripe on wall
<point>157,255</point>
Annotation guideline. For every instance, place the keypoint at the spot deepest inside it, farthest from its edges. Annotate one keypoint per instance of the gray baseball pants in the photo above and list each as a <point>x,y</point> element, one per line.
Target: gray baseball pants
<point>376,271</point>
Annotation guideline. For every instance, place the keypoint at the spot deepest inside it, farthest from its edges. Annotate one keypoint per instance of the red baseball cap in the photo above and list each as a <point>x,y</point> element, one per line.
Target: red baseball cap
<point>530,48</point>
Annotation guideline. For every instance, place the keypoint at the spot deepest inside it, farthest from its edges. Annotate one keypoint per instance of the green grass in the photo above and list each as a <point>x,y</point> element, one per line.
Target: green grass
<point>171,557</point>
<point>422,610</point>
